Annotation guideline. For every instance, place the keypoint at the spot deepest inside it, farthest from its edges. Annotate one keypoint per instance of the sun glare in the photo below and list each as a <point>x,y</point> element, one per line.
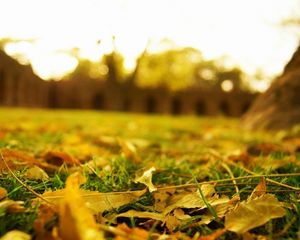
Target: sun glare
<point>245,31</point>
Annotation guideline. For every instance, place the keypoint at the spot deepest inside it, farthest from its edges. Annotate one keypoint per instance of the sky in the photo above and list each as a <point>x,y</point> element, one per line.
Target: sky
<point>248,32</point>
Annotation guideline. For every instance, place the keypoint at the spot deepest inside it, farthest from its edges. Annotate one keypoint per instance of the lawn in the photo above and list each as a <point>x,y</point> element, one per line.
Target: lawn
<point>97,175</point>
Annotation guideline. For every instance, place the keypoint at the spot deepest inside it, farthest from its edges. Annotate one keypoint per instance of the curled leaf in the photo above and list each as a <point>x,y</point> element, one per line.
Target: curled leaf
<point>146,178</point>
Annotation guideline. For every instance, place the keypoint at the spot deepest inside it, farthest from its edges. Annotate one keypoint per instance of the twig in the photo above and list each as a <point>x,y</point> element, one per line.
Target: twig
<point>271,175</point>
<point>192,185</point>
<point>224,165</point>
<point>22,183</point>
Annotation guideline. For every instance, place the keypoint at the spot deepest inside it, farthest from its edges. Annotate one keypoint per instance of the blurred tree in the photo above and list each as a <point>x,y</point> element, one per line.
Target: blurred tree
<point>174,68</point>
<point>279,107</point>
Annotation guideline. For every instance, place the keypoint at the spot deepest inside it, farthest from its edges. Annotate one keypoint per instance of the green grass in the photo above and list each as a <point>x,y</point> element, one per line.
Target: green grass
<point>183,149</point>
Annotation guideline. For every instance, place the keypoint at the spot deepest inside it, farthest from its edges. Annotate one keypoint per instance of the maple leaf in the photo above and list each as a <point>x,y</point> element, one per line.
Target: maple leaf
<point>253,213</point>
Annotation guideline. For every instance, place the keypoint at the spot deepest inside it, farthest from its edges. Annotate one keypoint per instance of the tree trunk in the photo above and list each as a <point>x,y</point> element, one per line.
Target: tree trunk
<point>279,107</point>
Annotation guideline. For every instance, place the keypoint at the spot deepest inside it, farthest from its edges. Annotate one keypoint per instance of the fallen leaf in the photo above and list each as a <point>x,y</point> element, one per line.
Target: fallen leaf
<point>96,201</point>
<point>265,149</point>
<point>45,216</point>
<point>161,197</point>
<point>36,173</point>
<point>146,178</point>
<point>138,214</point>
<point>129,150</point>
<point>16,235</point>
<point>259,190</point>
<point>215,235</point>
<point>253,213</point>
<point>179,213</point>
<point>57,158</point>
<point>3,193</point>
<point>75,220</point>
<point>12,206</point>
<point>171,222</point>
<point>16,159</point>
<point>194,199</point>
<point>131,233</point>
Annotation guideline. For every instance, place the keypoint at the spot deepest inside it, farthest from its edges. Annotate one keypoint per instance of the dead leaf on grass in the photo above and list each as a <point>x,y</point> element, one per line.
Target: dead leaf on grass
<point>36,173</point>
<point>57,158</point>
<point>75,220</point>
<point>253,213</point>
<point>260,189</point>
<point>3,193</point>
<point>16,235</point>
<point>45,215</point>
<point>146,178</point>
<point>215,235</point>
<point>96,201</point>
<point>131,233</point>
<point>129,150</point>
<point>138,214</point>
<point>194,199</point>
<point>12,206</point>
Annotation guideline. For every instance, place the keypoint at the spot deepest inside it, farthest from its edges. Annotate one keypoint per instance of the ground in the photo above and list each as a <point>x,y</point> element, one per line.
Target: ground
<point>130,176</point>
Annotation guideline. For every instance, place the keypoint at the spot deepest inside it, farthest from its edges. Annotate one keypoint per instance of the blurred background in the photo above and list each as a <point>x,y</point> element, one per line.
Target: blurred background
<point>171,57</point>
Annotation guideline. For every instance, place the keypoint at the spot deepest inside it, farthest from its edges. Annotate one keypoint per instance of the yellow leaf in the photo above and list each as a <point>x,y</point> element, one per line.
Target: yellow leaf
<point>137,214</point>
<point>194,200</point>
<point>36,173</point>
<point>129,150</point>
<point>75,220</point>
<point>96,201</point>
<point>253,213</point>
<point>16,235</point>
<point>146,178</point>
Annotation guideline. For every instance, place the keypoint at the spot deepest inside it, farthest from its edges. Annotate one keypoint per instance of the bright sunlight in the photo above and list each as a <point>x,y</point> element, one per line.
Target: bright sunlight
<point>247,32</point>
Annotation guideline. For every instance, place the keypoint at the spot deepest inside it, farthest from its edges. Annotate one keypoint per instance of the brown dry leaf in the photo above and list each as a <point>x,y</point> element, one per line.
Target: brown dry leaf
<point>194,199</point>
<point>253,213</point>
<point>75,221</point>
<point>129,150</point>
<point>259,190</point>
<point>171,222</point>
<point>45,215</point>
<point>244,158</point>
<point>3,193</point>
<point>161,197</point>
<point>57,158</point>
<point>16,235</point>
<point>131,233</point>
<point>220,209</point>
<point>36,173</point>
<point>96,201</point>
<point>215,235</point>
<point>16,159</point>
<point>146,178</point>
<point>265,149</point>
